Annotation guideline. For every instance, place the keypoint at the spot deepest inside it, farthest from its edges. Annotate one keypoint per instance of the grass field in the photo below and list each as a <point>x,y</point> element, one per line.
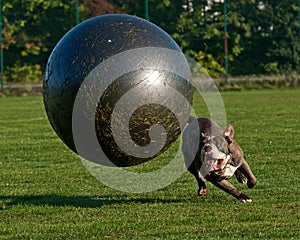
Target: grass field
<point>46,192</point>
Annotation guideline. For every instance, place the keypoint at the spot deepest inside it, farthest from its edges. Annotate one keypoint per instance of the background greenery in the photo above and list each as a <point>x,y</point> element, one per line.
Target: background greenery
<point>46,193</point>
<point>264,35</point>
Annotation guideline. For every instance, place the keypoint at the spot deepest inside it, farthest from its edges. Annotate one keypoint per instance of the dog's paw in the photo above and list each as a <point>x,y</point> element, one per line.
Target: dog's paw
<point>244,198</point>
<point>249,200</point>
<point>201,191</point>
<point>252,183</point>
<point>241,177</point>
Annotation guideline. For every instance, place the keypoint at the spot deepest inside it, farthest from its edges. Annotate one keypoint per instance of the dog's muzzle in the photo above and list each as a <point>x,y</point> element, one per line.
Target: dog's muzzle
<point>212,158</point>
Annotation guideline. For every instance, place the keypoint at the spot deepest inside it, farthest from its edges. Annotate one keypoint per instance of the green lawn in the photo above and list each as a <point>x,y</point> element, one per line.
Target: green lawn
<point>46,192</point>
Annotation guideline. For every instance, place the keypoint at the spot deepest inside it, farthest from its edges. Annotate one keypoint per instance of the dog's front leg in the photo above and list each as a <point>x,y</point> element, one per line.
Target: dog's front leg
<point>229,188</point>
<point>200,180</point>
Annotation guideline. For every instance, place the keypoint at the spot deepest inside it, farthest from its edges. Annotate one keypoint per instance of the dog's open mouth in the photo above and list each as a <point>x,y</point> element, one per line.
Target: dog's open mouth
<point>212,158</point>
<point>213,164</point>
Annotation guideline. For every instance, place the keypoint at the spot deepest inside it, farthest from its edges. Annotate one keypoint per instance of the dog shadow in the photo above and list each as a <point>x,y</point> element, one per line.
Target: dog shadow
<point>75,201</point>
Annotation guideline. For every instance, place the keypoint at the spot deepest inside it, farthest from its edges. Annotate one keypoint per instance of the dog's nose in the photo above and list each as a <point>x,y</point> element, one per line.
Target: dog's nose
<point>207,148</point>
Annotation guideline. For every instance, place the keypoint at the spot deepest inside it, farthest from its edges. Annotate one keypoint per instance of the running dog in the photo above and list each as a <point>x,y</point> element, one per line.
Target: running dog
<point>212,154</point>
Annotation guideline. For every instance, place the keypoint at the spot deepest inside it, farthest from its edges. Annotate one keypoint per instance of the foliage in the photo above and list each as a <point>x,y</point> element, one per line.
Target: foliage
<point>30,31</point>
<point>209,63</point>
<point>272,44</point>
<point>25,73</point>
<point>263,35</point>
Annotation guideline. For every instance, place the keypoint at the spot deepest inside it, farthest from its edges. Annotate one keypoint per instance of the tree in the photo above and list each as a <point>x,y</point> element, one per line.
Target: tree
<point>92,8</point>
<point>283,54</point>
<point>263,35</point>
<point>31,29</point>
<point>271,43</point>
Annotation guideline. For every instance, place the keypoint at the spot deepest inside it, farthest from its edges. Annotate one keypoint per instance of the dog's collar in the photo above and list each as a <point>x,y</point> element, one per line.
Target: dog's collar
<point>229,154</point>
<point>228,159</point>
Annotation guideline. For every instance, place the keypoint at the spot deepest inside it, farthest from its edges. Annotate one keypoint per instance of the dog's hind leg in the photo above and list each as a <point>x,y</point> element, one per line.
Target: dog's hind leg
<point>246,171</point>
<point>240,177</point>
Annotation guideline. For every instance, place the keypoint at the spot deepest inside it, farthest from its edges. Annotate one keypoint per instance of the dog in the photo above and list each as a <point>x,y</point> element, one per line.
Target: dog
<point>212,154</point>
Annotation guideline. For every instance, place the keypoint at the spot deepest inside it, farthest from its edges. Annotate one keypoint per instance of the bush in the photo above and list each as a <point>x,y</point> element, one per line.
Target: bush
<point>24,73</point>
<point>208,62</point>
<point>261,82</point>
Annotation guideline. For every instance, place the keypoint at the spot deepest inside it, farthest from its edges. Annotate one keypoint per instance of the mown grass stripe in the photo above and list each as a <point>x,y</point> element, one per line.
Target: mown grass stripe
<point>46,193</point>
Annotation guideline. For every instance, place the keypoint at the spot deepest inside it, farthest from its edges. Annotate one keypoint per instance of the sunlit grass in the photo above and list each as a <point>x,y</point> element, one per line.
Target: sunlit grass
<point>46,192</point>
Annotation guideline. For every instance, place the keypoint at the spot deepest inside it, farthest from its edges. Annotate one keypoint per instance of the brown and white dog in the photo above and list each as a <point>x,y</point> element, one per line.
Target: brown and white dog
<point>211,153</point>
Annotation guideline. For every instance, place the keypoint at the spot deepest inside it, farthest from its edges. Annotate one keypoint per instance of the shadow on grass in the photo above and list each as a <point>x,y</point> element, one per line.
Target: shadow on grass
<point>75,201</point>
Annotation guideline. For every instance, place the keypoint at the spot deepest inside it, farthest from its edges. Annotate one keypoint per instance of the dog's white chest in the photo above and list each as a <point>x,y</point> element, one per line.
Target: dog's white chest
<point>229,171</point>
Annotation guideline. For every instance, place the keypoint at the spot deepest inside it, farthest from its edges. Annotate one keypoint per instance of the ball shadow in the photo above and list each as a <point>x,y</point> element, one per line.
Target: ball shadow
<point>75,201</point>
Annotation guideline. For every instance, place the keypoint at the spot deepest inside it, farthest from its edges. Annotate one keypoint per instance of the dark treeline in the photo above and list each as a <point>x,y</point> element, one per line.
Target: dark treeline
<point>263,36</point>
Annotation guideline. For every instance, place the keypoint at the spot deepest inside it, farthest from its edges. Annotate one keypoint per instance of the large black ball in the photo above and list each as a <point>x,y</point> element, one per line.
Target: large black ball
<point>104,39</point>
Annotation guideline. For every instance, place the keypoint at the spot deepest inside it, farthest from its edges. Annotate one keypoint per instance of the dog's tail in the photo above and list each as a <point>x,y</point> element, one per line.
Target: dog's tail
<point>191,118</point>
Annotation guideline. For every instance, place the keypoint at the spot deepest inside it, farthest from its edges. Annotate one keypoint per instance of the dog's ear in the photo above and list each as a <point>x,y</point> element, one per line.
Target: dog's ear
<point>228,133</point>
<point>204,137</point>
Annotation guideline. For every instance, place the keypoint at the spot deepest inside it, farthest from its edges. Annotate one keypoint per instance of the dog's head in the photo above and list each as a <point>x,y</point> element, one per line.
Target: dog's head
<point>215,149</point>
